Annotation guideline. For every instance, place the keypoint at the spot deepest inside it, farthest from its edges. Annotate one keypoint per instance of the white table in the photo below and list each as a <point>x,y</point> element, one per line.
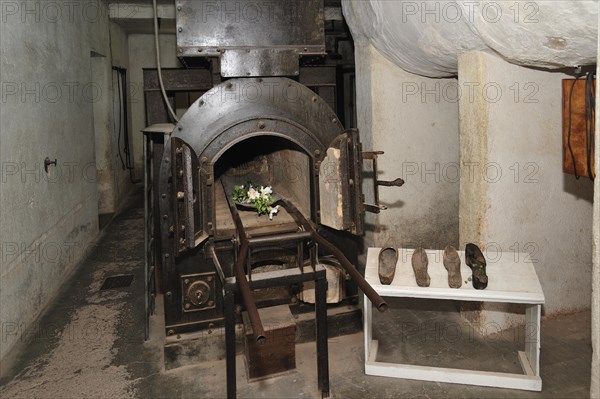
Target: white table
<point>512,279</point>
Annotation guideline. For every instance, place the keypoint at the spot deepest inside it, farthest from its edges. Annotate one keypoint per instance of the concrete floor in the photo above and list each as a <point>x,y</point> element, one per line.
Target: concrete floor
<point>89,344</point>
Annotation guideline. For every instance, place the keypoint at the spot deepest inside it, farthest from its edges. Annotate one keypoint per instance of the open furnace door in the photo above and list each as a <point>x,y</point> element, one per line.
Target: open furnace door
<point>340,188</point>
<point>182,178</point>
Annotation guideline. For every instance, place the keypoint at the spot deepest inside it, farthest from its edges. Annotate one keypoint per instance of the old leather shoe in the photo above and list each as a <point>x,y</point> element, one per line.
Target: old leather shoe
<point>419,264</point>
<point>475,260</point>
<point>452,265</point>
<point>388,257</point>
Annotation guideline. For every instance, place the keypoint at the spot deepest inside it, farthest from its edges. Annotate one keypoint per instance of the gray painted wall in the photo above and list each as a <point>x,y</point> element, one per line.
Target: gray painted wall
<point>408,117</point>
<point>47,221</point>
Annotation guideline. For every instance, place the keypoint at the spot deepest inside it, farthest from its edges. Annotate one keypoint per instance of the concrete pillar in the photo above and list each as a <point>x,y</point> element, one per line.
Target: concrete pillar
<point>415,121</point>
<point>514,196</point>
<point>112,179</point>
<point>103,132</point>
<point>364,113</point>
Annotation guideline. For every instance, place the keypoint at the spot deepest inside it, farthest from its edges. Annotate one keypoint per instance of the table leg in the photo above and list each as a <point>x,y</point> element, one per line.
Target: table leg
<point>533,315</point>
<point>367,326</point>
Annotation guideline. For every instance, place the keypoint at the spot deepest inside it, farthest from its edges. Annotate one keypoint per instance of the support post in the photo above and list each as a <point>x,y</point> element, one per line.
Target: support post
<point>321,333</point>
<point>230,343</point>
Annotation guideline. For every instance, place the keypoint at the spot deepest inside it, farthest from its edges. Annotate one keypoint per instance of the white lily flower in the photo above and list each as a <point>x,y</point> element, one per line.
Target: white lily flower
<point>253,194</point>
<point>266,190</point>
<point>273,211</point>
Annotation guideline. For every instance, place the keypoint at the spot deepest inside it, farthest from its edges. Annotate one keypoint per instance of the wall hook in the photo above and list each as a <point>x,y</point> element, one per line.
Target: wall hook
<point>48,162</point>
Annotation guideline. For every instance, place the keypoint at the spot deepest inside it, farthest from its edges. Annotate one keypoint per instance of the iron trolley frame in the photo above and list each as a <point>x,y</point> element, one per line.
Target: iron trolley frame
<point>276,279</point>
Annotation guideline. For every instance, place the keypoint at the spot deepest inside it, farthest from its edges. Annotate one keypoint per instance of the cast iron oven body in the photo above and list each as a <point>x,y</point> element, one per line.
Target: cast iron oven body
<point>195,259</point>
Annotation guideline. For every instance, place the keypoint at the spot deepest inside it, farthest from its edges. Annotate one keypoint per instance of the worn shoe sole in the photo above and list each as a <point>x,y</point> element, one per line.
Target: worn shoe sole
<point>452,265</point>
<point>388,258</point>
<point>419,264</point>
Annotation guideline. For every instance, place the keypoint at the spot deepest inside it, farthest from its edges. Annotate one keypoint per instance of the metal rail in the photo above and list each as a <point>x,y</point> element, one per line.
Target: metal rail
<point>275,239</point>
<point>242,281</point>
<point>308,233</point>
<point>375,298</point>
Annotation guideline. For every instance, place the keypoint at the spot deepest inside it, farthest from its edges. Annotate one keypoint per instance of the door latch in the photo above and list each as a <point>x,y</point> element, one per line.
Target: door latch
<point>377,207</point>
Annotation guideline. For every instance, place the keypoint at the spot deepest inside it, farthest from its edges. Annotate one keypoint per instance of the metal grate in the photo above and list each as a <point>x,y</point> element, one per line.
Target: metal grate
<point>117,282</point>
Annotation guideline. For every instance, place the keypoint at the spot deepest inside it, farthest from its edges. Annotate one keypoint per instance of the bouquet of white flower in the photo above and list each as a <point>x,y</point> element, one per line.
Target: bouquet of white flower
<point>260,197</point>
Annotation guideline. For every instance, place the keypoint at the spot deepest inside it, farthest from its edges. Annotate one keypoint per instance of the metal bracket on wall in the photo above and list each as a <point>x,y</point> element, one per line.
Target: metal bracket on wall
<point>48,162</point>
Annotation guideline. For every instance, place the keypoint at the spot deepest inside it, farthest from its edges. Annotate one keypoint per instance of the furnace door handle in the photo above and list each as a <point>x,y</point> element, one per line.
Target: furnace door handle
<point>377,207</point>
<point>394,183</point>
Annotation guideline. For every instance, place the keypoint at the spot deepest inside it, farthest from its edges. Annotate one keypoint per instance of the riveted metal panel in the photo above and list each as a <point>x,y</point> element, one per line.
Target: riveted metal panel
<point>205,28</point>
<point>259,62</point>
